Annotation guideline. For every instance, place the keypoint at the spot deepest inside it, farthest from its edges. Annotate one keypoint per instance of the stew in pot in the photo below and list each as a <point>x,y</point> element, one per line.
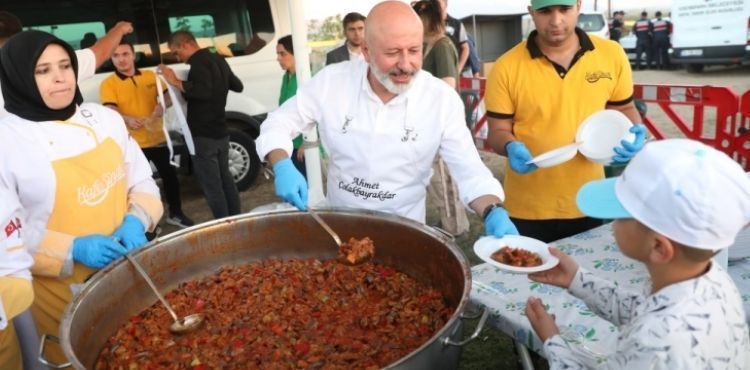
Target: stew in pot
<point>274,314</point>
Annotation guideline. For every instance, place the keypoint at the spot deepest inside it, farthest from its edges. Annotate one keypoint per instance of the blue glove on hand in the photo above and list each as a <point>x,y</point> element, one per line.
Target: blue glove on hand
<point>290,184</point>
<point>131,233</point>
<point>518,155</point>
<point>498,223</point>
<point>626,152</point>
<point>96,251</point>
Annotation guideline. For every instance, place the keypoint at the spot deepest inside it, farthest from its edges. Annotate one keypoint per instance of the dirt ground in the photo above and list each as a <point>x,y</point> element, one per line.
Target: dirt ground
<point>493,350</point>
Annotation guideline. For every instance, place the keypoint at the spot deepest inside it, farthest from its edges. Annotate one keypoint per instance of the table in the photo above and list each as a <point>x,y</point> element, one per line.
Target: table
<point>505,294</point>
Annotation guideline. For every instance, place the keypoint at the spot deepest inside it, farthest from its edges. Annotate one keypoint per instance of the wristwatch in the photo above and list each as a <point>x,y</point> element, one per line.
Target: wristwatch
<point>489,209</point>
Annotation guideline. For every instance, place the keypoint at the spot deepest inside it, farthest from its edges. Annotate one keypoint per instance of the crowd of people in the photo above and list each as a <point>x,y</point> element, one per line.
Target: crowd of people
<point>83,194</point>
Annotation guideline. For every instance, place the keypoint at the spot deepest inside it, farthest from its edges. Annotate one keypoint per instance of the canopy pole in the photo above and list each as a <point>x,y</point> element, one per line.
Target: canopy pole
<point>302,65</point>
<point>477,41</point>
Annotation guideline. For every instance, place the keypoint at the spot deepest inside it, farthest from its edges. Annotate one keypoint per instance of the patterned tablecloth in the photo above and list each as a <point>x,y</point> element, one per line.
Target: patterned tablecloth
<point>505,294</point>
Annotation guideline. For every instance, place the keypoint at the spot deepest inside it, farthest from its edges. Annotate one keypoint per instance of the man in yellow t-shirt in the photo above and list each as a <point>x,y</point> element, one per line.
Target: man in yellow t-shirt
<point>538,94</point>
<point>132,92</point>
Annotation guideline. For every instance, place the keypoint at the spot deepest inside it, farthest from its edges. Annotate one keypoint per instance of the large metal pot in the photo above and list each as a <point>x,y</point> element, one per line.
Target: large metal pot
<point>117,292</point>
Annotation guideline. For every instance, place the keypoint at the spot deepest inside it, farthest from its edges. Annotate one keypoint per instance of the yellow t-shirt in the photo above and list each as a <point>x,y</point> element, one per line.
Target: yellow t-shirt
<point>135,96</point>
<point>547,105</point>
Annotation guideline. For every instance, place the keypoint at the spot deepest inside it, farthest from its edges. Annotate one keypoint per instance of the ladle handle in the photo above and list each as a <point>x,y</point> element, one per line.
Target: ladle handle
<point>153,287</point>
<point>325,226</point>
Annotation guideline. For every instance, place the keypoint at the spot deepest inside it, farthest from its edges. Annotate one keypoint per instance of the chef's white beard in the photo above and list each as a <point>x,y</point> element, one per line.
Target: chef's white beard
<point>389,85</point>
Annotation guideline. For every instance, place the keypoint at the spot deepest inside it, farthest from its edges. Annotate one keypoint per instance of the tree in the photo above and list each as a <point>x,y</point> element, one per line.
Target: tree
<point>206,24</point>
<point>183,24</point>
<point>330,29</point>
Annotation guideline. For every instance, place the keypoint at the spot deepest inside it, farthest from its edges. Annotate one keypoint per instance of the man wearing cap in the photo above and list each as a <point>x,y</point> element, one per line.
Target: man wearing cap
<point>677,204</point>
<point>538,94</point>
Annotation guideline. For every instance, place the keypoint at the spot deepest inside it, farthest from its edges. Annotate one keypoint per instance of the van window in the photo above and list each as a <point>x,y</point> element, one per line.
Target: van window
<point>227,27</point>
<point>77,35</point>
<point>590,22</point>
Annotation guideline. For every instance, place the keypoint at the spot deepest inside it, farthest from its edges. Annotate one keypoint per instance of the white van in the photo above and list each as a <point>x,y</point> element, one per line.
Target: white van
<point>243,31</point>
<point>594,23</point>
<point>710,33</point>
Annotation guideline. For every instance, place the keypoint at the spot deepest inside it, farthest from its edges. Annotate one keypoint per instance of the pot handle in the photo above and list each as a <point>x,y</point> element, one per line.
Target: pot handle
<point>41,357</point>
<point>482,320</point>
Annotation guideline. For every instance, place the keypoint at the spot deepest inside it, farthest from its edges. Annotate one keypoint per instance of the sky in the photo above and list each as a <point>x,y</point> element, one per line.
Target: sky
<point>319,9</point>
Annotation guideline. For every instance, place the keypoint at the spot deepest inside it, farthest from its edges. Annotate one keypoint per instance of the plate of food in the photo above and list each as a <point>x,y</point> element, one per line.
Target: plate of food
<point>515,253</point>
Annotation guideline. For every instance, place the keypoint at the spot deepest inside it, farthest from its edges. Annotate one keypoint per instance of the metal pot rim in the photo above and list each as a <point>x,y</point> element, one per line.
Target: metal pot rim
<point>447,241</point>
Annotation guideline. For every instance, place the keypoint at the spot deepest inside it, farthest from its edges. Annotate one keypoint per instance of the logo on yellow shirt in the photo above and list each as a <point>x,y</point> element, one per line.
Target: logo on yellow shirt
<point>95,193</point>
<point>592,77</point>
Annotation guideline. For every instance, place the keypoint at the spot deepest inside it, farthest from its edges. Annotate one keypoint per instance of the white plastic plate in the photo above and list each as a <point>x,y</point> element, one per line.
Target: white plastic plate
<point>555,156</point>
<point>485,246</point>
<point>601,132</point>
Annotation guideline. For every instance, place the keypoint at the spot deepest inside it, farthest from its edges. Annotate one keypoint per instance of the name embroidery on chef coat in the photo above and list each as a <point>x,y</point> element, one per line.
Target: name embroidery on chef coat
<point>360,188</point>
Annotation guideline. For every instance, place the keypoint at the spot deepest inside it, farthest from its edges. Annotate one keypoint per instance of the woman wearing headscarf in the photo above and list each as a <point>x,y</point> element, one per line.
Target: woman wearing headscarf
<point>83,186</point>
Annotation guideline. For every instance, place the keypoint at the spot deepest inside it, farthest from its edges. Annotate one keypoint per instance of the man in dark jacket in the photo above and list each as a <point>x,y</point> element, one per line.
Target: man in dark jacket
<point>662,28</point>
<point>354,32</point>
<point>205,90</point>
<point>644,33</point>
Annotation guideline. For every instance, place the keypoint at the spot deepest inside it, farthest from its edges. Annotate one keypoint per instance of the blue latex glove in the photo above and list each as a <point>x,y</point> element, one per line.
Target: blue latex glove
<point>626,152</point>
<point>131,233</point>
<point>518,155</point>
<point>96,251</point>
<point>290,184</point>
<point>498,223</point>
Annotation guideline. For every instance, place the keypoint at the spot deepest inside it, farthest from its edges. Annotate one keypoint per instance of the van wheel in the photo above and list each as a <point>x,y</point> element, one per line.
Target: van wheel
<point>243,159</point>
<point>694,68</point>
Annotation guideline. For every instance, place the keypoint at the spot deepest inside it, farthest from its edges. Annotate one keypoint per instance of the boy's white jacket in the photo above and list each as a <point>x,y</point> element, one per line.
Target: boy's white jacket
<point>381,154</point>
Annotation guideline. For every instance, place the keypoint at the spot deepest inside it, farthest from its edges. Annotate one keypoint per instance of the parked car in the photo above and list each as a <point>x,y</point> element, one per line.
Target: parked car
<point>243,31</point>
<point>594,23</point>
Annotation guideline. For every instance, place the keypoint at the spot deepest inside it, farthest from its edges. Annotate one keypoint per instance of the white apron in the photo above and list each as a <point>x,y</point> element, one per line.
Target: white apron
<point>378,164</point>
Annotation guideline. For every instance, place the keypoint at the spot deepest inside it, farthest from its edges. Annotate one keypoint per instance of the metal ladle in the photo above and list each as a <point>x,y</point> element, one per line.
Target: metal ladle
<point>325,226</point>
<point>180,325</point>
<point>337,239</point>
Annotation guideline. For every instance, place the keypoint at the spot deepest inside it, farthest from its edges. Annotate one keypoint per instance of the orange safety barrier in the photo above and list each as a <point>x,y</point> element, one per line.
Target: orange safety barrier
<point>742,142</point>
<point>472,90</point>
<point>732,122</point>
<point>726,102</point>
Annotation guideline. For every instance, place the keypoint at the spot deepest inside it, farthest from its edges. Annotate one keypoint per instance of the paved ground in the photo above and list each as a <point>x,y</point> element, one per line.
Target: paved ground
<point>494,349</point>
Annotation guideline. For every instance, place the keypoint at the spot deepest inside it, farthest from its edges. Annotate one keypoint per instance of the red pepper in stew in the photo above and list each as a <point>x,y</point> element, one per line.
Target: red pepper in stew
<point>284,314</point>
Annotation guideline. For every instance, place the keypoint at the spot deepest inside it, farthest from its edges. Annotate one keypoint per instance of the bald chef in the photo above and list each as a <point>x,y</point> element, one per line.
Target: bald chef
<point>382,121</point>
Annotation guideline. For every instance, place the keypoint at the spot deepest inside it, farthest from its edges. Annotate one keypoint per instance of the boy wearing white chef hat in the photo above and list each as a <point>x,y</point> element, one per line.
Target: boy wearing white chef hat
<point>677,204</point>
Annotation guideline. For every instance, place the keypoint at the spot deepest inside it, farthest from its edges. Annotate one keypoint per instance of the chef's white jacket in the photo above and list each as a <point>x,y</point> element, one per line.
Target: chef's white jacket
<point>15,260</point>
<point>28,182</point>
<point>381,154</point>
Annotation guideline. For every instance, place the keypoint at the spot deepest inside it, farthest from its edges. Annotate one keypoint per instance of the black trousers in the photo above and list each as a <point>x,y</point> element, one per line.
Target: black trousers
<point>554,229</point>
<point>643,46</point>
<point>661,52</point>
<point>159,156</point>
